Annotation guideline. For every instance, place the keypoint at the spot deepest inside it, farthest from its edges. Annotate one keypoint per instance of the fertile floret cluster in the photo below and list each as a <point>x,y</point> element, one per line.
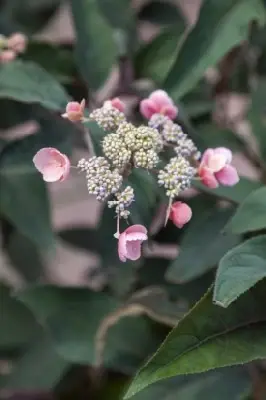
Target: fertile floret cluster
<point>101,181</point>
<point>176,176</point>
<point>122,202</point>
<point>157,121</point>
<point>108,118</point>
<point>115,150</point>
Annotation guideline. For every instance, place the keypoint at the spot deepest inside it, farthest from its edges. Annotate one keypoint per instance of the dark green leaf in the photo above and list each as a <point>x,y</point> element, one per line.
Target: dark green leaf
<point>72,316</point>
<point>239,270</point>
<point>251,214</point>
<point>155,59</point>
<point>210,337</point>
<point>220,27</point>
<point>96,51</point>
<point>162,13</point>
<point>228,383</point>
<point>29,83</point>
<point>39,368</point>
<point>18,326</point>
<point>235,194</point>
<point>202,246</point>
<point>120,15</point>
<point>82,238</point>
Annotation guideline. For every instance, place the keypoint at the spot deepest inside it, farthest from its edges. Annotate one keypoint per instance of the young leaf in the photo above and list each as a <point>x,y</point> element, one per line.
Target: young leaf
<point>96,50</point>
<point>239,270</point>
<point>220,26</point>
<point>29,83</point>
<point>251,214</point>
<point>209,337</point>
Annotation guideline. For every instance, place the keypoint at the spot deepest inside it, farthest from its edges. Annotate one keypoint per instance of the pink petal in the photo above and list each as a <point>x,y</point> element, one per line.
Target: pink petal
<point>228,176</point>
<point>206,155</point>
<point>208,178</point>
<point>147,108</point>
<point>66,168</point>
<point>42,158</point>
<point>133,249</point>
<point>216,162</point>
<point>225,153</point>
<point>52,173</point>
<point>170,111</point>
<point>118,104</point>
<point>136,229</point>
<point>180,214</point>
<point>73,106</point>
<point>161,99</point>
<point>122,247</point>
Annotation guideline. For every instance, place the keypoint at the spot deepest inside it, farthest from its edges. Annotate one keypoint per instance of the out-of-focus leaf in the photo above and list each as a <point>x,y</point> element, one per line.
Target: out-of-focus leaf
<point>120,15</point>
<point>29,83</point>
<point>251,214</point>
<point>228,383</point>
<point>155,58</point>
<point>82,237</point>
<point>56,60</point>
<point>217,137</point>
<point>162,13</point>
<point>23,196</point>
<point>202,246</point>
<point>96,50</point>
<point>72,316</point>
<point>153,273</point>
<point>218,28</point>
<point>239,270</point>
<point>199,102</point>
<point>209,337</point>
<point>236,194</point>
<point>127,342</point>
<point>25,257</point>
<point>39,368</point>
<point>256,116</point>
<point>29,15</point>
<point>18,325</point>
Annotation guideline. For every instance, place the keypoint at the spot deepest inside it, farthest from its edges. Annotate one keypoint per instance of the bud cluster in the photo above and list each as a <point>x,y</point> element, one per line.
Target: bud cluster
<point>101,181</point>
<point>124,200</point>
<point>176,176</point>
<point>107,117</point>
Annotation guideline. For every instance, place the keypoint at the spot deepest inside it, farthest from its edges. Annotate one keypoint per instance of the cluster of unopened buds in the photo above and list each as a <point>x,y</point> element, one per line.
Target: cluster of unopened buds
<point>126,147</point>
<point>12,46</point>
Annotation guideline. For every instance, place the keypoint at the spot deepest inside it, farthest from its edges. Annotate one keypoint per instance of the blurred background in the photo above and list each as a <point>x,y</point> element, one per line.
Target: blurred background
<point>75,322</point>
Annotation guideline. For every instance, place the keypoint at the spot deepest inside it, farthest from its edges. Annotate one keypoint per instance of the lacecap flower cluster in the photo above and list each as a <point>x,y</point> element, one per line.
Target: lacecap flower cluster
<point>125,147</point>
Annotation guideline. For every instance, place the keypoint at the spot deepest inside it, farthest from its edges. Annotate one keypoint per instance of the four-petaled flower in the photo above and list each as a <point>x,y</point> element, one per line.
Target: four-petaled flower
<point>53,165</point>
<point>158,103</point>
<point>215,168</point>
<point>129,242</point>
<point>180,214</point>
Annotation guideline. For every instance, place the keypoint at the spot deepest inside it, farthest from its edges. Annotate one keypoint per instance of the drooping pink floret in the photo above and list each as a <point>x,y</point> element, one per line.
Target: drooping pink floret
<point>7,56</point>
<point>129,242</point>
<point>75,111</point>
<point>215,168</point>
<point>17,42</point>
<point>158,103</point>
<point>53,165</point>
<point>116,103</point>
<point>180,214</point>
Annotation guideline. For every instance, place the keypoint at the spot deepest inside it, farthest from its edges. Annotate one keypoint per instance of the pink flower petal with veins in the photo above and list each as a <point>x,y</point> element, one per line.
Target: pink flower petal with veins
<point>147,108</point>
<point>129,242</point>
<point>225,153</point>
<point>180,214</point>
<point>228,176</point>
<point>208,178</point>
<point>53,165</point>
<point>216,162</point>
